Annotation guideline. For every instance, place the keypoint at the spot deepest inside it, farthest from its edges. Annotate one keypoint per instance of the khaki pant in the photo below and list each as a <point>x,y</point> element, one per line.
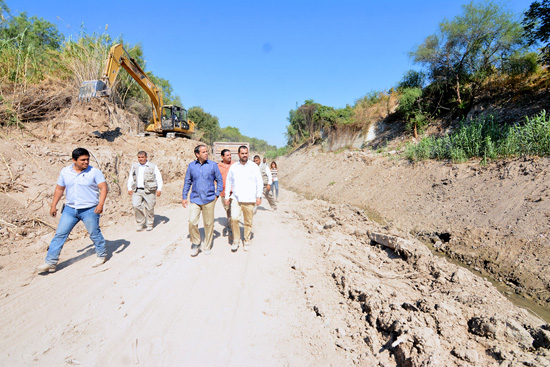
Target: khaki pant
<point>248,214</point>
<point>227,209</point>
<point>208,221</point>
<point>144,207</point>
<point>269,196</point>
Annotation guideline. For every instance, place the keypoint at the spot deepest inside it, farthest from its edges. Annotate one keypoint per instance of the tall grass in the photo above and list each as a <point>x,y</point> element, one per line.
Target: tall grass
<point>486,138</point>
<point>85,57</point>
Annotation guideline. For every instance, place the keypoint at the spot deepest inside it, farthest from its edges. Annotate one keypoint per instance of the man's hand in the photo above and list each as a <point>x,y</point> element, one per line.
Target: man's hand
<point>53,211</point>
<point>158,193</point>
<point>130,192</point>
<point>98,209</point>
<point>184,203</point>
<point>258,201</point>
<point>226,202</point>
<point>268,187</point>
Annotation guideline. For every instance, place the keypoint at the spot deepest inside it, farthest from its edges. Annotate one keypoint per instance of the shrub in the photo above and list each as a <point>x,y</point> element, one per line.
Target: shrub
<point>486,138</point>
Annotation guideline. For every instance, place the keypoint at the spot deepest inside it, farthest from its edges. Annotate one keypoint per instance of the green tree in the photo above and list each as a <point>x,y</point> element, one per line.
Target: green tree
<point>536,22</point>
<point>4,10</point>
<point>410,108</point>
<point>469,48</point>
<point>206,123</point>
<point>230,133</point>
<point>412,79</point>
<point>32,34</point>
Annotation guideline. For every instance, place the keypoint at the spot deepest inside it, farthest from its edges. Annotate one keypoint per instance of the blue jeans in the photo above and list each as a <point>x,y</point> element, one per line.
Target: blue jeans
<point>69,218</point>
<point>275,186</point>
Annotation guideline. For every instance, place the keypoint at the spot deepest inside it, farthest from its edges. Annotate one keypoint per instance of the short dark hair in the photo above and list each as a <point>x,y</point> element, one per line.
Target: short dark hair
<point>198,147</point>
<point>225,150</point>
<point>79,152</point>
<point>242,147</point>
<point>256,156</point>
<point>142,152</point>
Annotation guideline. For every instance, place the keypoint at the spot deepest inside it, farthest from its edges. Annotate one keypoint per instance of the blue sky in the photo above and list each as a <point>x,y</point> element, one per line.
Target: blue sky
<point>251,62</point>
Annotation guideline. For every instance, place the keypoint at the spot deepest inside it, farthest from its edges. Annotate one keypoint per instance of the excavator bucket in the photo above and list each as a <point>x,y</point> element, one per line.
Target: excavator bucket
<point>92,89</point>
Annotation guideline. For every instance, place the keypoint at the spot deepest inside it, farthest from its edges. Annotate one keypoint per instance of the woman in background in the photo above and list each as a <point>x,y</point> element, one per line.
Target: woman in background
<point>275,185</point>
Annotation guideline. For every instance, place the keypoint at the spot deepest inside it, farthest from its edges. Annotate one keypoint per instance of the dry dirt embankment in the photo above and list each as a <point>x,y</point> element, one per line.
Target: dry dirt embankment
<point>494,218</point>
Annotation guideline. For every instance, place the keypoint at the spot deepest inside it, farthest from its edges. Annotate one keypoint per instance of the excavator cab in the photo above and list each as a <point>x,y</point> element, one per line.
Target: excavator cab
<point>174,117</point>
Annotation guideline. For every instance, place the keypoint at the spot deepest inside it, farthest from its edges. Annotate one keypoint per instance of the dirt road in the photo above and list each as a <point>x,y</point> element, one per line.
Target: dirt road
<point>312,291</point>
<point>152,304</point>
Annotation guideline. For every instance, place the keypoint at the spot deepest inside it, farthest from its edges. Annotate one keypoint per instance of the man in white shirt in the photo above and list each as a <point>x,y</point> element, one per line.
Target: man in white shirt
<point>144,184</point>
<point>244,186</point>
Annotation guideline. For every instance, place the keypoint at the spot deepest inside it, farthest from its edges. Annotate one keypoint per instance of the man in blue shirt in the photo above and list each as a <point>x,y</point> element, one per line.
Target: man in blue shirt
<point>199,178</point>
<point>85,192</point>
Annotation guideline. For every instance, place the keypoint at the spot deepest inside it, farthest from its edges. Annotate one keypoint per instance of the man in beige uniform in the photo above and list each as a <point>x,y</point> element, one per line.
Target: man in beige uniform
<point>144,184</point>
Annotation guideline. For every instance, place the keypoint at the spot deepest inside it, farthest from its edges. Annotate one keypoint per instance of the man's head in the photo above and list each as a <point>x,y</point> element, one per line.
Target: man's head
<point>265,160</point>
<point>226,156</point>
<point>257,160</point>
<point>201,152</point>
<point>142,157</point>
<point>81,158</point>
<point>243,154</point>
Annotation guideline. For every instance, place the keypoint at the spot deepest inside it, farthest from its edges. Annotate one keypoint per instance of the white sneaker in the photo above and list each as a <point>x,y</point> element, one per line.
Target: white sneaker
<point>149,228</point>
<point>99,261</point>
<point>246,245</point>
<point>207,252</point>
<point>235,246</point>
<point>195,249</point>
<point>45,268</point>
<point>140,227</point>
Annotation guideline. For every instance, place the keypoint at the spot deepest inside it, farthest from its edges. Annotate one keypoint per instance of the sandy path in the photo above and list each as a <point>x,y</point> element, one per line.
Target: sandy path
<point>152,304</point>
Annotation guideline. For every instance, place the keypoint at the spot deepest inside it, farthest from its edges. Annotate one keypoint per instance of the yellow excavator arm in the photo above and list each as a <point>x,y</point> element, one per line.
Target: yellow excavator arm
<point>166,119</point>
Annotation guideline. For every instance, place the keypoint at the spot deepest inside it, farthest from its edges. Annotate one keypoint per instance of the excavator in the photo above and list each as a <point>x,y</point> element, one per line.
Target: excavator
<point>167,120</point>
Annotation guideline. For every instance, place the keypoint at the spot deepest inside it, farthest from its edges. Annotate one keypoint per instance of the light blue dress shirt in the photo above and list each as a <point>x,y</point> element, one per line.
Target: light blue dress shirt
<point>81,189</point>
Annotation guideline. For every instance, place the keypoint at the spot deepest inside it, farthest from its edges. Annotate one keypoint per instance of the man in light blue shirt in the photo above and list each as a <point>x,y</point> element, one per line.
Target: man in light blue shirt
<point>199,178</point>
<point>85,192</point>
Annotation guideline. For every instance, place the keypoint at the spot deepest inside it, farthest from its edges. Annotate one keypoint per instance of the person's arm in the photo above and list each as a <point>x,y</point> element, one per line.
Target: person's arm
<point>102,196</point>
<point>58,193</point>
<point>186,186</point>
<point>130,191</point>
<point>219,180</point>
<point>269,177</point>
<point>259,187</point>
<point>158,177</point>
<point>228,185</point>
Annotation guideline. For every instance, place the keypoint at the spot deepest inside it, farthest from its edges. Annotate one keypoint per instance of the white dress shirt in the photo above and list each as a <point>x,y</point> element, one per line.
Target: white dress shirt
<point>245,182</point>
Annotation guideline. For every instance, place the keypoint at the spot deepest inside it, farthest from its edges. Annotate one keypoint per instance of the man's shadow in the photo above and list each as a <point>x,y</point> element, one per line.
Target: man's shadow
<point>223,221</point>
<point>160,219</point>
<point>111,247</point>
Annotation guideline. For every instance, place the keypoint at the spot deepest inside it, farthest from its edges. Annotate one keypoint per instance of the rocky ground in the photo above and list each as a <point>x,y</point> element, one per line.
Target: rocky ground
<point>341,274</point>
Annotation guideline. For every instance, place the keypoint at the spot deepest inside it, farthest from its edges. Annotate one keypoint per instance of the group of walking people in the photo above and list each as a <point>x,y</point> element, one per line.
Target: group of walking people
<point>241,185</point>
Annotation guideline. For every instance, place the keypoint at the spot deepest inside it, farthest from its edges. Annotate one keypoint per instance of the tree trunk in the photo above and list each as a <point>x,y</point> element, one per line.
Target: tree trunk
<point>458,91</point>
<point>415,132</point>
